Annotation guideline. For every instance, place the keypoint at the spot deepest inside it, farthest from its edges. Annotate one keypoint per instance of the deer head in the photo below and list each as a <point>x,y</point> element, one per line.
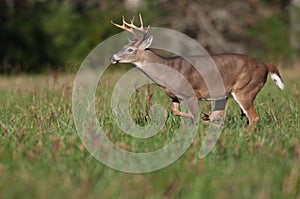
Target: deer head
<point>134,50</point>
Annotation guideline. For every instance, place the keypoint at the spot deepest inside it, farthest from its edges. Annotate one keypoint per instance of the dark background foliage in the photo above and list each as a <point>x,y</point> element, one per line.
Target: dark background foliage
<point>38,35</point>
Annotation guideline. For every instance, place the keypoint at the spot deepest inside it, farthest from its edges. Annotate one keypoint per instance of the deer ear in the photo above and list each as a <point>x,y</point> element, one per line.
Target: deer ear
<point>147,42</point>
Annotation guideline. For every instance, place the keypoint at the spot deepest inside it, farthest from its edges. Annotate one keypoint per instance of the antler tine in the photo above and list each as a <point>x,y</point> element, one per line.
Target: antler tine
<point>128,24</point>
<point>141,28</point>
<point>141,21</point>
<point>123,26</point>
<point>142,25</point>
<point>148,27</point>
<point>131,27</point>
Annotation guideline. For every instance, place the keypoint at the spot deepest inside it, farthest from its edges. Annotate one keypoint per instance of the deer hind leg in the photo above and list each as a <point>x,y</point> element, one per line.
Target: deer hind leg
<point>246,104</point>
<point>219,110</point>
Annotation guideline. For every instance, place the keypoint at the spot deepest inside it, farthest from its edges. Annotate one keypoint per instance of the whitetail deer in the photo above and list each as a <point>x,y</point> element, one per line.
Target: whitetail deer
<point>243,76</point>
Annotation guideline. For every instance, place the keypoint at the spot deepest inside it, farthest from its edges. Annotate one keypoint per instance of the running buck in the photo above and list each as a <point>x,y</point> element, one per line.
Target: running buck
<point>243,76</point>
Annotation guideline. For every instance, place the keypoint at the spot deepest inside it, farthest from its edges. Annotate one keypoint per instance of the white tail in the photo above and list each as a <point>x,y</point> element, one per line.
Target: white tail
<point>243,76</point>
<point>275,76</point>
<point>277,80</point>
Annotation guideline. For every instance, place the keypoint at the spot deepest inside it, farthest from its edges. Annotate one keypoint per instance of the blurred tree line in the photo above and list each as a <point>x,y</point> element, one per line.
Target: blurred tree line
<point>57,34</point>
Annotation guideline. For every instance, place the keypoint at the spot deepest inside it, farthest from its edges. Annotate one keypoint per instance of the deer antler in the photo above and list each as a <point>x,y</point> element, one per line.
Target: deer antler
<point>130,27</point>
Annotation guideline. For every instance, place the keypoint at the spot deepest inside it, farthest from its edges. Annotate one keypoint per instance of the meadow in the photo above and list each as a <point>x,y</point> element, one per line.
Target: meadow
<point>42,156</point>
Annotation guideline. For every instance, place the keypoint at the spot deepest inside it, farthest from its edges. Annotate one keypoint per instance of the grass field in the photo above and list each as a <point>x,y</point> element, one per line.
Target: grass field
<point>41,155</point>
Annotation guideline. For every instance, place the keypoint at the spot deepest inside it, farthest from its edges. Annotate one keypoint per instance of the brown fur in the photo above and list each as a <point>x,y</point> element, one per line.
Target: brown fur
<point>243,77</point>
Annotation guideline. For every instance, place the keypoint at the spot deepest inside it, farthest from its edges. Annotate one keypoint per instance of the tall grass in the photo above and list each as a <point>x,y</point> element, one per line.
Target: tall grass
<point>41,155</point>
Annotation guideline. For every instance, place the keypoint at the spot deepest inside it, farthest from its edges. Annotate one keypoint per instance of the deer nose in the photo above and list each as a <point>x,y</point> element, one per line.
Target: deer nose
<point>114,59</point>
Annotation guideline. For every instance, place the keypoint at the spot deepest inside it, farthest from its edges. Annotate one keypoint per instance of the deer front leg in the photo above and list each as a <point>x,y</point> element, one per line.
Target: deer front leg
<point>176,112</point>
<point>192,104</point>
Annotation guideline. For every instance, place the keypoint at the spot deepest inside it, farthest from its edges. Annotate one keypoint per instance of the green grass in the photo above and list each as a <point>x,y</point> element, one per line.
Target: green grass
<point>41,155</point>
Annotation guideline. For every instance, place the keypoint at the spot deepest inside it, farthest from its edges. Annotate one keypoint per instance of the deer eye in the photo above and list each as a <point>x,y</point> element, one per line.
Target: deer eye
<point>130,50</point>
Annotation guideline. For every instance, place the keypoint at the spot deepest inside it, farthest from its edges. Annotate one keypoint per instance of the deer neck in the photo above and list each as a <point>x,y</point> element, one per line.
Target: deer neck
<point>153,66</point>
<point>149,57</point>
